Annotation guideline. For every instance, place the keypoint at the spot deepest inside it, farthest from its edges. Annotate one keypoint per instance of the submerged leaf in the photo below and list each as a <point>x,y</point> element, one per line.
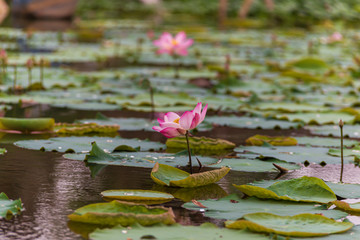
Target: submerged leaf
<point>302,225</point>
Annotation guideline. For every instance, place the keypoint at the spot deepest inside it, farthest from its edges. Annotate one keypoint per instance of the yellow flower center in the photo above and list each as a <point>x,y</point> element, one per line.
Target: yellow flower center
<point>176,120</point>
<point>174,42</point>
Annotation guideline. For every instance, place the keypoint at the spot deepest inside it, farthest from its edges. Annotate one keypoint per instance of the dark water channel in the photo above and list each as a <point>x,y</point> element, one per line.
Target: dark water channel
<point>52,187</point>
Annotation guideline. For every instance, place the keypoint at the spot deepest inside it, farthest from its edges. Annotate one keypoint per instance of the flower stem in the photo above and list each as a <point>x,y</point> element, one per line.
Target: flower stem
<point>188,148</point>
<point>341,124</point>
<point>152,102</point>
<point>176,67</point>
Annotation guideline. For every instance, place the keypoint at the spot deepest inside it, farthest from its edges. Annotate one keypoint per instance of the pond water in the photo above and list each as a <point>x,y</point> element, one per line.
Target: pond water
<point>51,187</point>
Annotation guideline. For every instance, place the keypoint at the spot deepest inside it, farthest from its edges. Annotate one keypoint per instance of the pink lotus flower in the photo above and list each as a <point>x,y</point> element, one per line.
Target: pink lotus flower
<point>336,37</point>
<point>3,54</point>
<point>29,63</point>
<point>173,125</point>
<point>177,45</point>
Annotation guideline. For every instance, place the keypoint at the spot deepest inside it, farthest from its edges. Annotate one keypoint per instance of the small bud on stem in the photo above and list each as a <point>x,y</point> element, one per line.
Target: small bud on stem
<point>341,125</point>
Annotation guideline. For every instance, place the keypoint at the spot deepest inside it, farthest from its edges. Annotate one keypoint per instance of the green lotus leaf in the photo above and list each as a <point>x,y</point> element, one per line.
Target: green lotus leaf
<point>302,225</point>
<point>134,159</point>
<point>317,118</point>
<point>355,151</point>
<point>9,208</point>
<point>303,76</point>
<point>304,189</point>
<point>210,191</point>
<point>287,107</point>
<point>259,140</point>
<point>252,123</point>
<point>123,213</point>
<point>352,131</point>
<point>170,176</point>
<point>83,144</point>
<point>352,208</point>
<point>200,143</point>
<point>27,124</point>
<point>254,165</point>
<point>138,196</point>
<point>2,151</point>
<point>85,128</point>
<point>175,232</point>
<point>343,190</point>
<point>308,63</point>
<point>325,141</point>
<point>92,106</point>
<point>294,154</point>
<point>232,207</point>
<point>126,124</point>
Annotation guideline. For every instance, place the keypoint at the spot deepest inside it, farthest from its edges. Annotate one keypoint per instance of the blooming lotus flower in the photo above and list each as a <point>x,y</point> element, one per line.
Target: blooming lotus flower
<point>173,125</point>
<point>174,46</point>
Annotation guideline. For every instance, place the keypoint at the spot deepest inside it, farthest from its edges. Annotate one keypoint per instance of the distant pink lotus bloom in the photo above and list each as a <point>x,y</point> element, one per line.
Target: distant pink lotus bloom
<point>29,63</point>
<point>174,46</point>
<point>173,125</point>
<point>150,34</point>
<point>333,38</point>
<point>336,37</point>
<point>3,54</point>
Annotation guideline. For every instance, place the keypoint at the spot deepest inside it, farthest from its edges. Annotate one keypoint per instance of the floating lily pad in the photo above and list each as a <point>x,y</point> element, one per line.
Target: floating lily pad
<point>84,128</point>
<point>170,176</point>
<point>295,154</point>
<point>135,159</point>
<point>9,208</point>
<point>302,225</point>
<point>123,213</point>
<point>355,151</point>
<point>325,141</point>
<point>210,191</point>
<point>2,151</point>
<point>304,189</point>
<point>352,131</point>
<point>317,118</point>
<point>352,208</point>
<point>308,63</point>
<point>232,207</point>
<point>83,144</point>
<point>344,190</point>
<point>175,232</point>
<point>254,165</point>
<point>200,143</point>
<point>140,196</point>
<point>126,124</point>
<point>259,140</point>
<point>288,107</point>
<point>252,123</point>
<point>27,124</point>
